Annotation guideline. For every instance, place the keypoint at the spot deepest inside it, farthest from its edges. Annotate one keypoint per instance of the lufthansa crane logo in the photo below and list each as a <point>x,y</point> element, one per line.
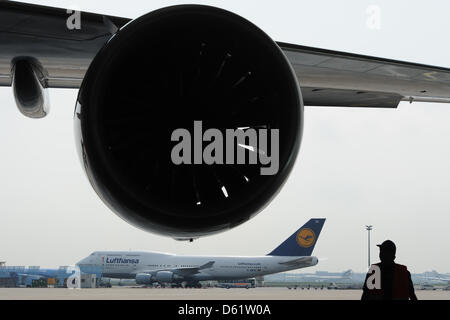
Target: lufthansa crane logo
<point>306,237</point>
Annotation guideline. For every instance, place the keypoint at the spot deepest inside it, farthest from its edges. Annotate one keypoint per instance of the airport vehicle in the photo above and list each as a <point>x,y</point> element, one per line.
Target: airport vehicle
<point>148,268</point>
<point>426,286</point>
<point>246,283</point>
<point>344,286</point>
<point>333,286</point>
<point>143,80</point>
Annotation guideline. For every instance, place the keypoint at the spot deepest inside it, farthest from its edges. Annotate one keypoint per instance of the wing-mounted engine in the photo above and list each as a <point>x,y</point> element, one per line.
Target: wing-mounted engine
<point>144,278</point>
<point>167,277</point>
<point>192,68</point>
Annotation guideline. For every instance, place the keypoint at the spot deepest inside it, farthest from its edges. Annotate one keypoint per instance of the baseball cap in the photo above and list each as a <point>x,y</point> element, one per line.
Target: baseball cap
<point>387,245</point>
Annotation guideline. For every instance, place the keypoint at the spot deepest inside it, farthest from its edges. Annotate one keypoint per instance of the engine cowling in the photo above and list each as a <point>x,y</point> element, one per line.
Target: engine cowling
<point>167,277</point>
<point>144,278</point>
<point>172,69</point>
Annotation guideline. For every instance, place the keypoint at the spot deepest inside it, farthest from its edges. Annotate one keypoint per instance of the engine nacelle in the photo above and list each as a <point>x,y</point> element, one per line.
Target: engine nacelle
<point>29,87</point>
<point>144,278</point>
<point>167,277</point>
<point>204,71</point>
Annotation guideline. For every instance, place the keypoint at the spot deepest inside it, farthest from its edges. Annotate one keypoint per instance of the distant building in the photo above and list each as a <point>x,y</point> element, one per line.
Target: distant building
<point>2,263</point>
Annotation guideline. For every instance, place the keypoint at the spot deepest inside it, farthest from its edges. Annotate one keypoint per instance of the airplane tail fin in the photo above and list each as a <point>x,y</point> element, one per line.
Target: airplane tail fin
<point>302,242</point>
<point>347,274</point>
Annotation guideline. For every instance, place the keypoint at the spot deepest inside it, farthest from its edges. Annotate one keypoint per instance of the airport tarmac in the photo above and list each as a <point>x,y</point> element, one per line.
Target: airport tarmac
<point>129,293</point>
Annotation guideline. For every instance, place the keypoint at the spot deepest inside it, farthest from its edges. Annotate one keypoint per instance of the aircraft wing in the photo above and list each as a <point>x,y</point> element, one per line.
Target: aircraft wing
<point>42,33</point>
<point>332,78</point>
<point>327,78</point>
<point>184,271</point>
<point>299,261</point>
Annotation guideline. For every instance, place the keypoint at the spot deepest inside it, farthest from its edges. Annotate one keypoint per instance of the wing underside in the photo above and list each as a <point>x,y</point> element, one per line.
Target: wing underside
<point>42,33</point>
<point>331,78</point>
<point>187,271</point>
<point>327,78</point>
<point>302,261</point>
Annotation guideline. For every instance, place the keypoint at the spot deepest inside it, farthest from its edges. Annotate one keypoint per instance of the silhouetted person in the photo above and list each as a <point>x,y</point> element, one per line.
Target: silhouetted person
<point>396,283</point>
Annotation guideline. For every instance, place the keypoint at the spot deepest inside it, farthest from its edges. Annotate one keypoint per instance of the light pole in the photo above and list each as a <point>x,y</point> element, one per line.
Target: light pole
<point>369,228</point>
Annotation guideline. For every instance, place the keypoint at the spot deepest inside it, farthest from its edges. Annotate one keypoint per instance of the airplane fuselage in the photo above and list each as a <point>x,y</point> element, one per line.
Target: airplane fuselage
<point>126,265</point>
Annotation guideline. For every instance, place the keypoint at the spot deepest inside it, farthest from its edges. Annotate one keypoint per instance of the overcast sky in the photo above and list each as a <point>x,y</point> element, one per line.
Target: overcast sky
<point>389,168</point>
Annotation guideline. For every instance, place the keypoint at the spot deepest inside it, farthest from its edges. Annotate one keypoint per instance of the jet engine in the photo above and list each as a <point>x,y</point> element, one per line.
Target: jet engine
<point>167,277</point>
<point>221,81</point>
<point>144,278</point>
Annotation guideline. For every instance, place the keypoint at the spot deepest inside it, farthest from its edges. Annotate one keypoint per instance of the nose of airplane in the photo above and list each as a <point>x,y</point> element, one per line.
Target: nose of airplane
<point>82,261</point>
<point>91,259</point>
<point>314,261</point>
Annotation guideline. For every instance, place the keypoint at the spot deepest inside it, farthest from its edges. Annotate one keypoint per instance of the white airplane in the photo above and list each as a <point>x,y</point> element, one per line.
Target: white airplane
<point>323,275</point>
<point>435,276</point>
<point>150,267</point>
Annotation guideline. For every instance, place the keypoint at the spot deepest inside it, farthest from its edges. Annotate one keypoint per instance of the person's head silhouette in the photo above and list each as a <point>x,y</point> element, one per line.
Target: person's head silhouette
<point>387,251</point>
